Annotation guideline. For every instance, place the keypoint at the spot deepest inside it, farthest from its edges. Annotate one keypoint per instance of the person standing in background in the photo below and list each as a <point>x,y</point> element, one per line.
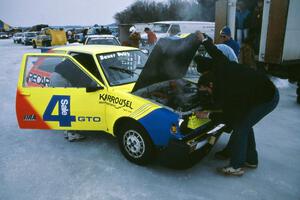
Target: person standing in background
<point>152,39</point>
<point>134,37</point>
<point>255,26</point>
<point>242,21</point>
<point>226,38</point>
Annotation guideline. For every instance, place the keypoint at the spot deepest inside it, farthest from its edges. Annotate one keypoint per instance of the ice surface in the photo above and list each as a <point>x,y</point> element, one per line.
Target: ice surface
<point>37,164</point>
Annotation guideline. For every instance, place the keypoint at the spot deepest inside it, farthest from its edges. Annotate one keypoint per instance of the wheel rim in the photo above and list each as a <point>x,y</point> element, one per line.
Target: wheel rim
<point>134,144</point>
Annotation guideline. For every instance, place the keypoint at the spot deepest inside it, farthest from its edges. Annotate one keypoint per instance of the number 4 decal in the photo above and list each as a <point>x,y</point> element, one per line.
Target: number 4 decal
<point>64,117</point>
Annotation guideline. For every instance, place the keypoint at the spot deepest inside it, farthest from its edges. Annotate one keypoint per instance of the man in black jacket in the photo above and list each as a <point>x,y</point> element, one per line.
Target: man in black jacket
<point>245,97</point>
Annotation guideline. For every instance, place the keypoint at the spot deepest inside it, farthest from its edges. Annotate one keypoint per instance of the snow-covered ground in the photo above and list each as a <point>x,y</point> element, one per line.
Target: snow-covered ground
<point>38,164</point>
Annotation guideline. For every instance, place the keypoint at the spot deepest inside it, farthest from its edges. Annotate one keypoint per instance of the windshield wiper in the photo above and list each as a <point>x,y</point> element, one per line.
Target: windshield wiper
<point>123,70</point>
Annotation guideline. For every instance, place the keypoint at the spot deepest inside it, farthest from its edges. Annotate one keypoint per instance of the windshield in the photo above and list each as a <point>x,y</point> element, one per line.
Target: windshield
<point>105,41</point>
<point>30,34</point>
<point>122,67</point>
<point>45,37</point>
<point>161,28</point>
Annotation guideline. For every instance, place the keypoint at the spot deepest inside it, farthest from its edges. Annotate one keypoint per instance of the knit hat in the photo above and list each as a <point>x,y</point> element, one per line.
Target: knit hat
<point>226,31</point>
<point>132,29</point>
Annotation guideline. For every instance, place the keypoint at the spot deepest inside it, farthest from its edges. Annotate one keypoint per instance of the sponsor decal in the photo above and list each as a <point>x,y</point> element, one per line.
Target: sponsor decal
<point>107,56</point>
<point>30,117</point>
<point>64,116</point>
<point>24,107</point>
<point>38,79</point>
<point>89,119</point>
<point>115,101</point>
<point>114,55</point>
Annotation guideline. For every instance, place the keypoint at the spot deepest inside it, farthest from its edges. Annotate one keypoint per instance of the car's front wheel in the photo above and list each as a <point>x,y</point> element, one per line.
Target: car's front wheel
<point>135,144</point>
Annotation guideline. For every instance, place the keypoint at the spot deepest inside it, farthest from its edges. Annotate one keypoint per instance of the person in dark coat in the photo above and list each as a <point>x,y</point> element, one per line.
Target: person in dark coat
<point>242,18</point>
<point>256,24</point>
<point>245,96</point>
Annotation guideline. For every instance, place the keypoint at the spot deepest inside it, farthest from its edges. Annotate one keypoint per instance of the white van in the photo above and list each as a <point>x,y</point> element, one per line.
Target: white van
<point>163,28</point>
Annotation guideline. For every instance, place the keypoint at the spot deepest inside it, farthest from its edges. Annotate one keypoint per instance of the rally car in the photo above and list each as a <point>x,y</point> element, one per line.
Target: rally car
<point>145,102</point>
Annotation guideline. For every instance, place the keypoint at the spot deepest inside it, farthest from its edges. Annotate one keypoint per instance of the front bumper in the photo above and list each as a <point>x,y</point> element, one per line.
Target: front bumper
<point>182,154</point>
<point>28,41</point>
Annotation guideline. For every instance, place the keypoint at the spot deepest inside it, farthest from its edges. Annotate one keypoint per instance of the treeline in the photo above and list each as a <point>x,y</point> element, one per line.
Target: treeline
<point>148,11</point>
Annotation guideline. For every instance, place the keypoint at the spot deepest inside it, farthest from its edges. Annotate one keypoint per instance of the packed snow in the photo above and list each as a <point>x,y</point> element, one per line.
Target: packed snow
<point>39,164</point>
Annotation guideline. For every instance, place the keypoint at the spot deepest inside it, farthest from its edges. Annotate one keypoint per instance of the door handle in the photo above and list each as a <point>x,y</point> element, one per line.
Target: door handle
<point>25,93</point>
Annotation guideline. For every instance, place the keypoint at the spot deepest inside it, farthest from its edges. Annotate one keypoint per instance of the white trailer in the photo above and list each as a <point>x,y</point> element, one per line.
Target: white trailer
<point>279,50</point>
<point>163,29</point>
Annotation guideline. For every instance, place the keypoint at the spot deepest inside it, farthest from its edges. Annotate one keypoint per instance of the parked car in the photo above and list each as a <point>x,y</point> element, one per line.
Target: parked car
<point>17,37</point>
<point>27,37</point>
<point>80,35</point>
<point>99,31</point>
<point>105,88</point>
<point>114,30</point>
<point>3,35</point>
<point>50,37</point>
<point>102,39</point>
<point>41,41</point>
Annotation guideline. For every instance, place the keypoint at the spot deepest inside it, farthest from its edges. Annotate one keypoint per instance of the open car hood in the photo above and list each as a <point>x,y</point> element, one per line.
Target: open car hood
<point>169,60</point>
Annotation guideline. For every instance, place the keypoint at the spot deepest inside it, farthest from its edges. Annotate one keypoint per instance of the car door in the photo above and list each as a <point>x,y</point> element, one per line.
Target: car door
<point>56,92</point>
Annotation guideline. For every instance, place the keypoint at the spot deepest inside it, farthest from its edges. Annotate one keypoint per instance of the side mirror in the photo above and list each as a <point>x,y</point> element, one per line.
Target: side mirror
<point>94,88</point>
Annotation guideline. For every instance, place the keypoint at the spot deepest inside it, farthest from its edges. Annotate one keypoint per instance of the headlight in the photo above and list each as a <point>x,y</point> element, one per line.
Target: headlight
<point>173,129</point>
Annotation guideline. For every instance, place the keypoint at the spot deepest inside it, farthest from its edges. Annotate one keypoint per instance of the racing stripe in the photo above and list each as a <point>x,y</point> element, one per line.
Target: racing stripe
<point>140,111</point>
<point>144,111</point>
<point>27,116</point>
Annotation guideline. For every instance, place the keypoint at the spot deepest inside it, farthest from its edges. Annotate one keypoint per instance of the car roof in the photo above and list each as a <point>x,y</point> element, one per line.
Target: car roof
<point>94,49</point>
<point>30,32</point>
<point>100,36</point>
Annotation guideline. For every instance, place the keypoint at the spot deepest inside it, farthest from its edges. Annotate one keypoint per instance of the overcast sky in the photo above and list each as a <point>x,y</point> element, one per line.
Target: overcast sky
<point>60,12</point>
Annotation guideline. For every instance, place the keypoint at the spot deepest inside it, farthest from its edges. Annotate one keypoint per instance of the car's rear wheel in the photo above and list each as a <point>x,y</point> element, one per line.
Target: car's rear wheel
<point>135,144</point>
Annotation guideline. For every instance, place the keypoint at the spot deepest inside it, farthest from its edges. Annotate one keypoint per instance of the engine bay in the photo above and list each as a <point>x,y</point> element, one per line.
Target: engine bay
<point>181,95</point>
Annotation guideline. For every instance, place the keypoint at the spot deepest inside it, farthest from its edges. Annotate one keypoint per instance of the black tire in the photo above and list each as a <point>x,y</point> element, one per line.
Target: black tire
<point>33,44</point>
<point>135,144</point>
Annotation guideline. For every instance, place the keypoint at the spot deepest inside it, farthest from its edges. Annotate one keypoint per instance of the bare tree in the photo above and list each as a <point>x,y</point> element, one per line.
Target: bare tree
<point>149,11</point>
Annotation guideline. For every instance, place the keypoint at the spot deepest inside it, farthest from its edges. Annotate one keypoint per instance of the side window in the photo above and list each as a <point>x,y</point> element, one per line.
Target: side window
<point>175,29</point>
<point>88,62</point>
<point>43,71</point>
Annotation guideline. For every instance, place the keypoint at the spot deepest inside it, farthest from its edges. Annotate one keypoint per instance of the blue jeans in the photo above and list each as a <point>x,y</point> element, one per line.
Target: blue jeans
<point>241,144</point>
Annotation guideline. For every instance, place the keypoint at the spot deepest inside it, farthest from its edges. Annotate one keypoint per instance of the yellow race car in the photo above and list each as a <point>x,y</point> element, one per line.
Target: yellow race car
<point>145,102</point>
